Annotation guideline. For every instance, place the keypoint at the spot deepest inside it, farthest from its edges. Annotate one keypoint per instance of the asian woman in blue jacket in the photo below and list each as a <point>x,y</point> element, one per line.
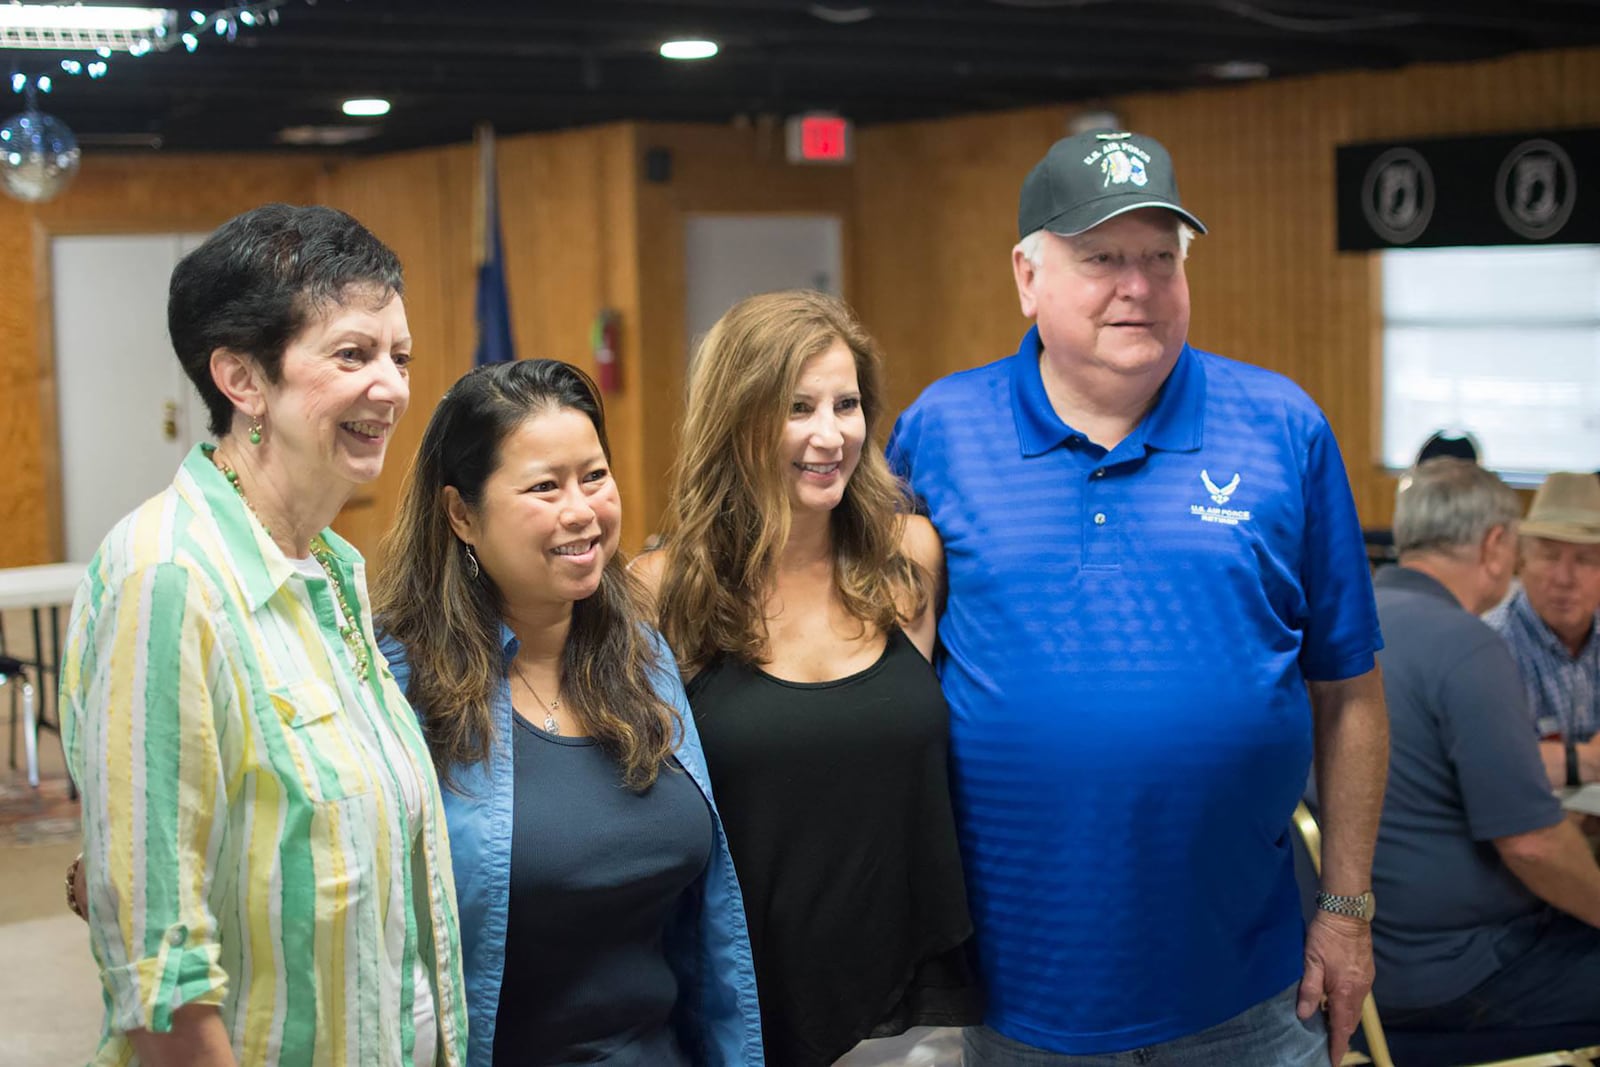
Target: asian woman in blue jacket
<point>601,919</point>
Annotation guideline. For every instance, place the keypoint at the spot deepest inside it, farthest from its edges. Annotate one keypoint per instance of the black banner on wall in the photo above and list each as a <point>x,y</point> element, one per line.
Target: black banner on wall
<point>1504,189</point>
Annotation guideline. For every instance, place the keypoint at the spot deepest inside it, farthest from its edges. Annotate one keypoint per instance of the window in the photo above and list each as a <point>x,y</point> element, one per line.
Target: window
<point>1501,342</point>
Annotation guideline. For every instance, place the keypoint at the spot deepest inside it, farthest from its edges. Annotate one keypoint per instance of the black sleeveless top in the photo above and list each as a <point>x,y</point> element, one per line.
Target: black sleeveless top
<point>836,801</point>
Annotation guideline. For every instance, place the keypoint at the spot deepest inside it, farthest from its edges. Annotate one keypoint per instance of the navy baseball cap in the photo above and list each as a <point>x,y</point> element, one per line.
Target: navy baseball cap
<point>1090,177</point>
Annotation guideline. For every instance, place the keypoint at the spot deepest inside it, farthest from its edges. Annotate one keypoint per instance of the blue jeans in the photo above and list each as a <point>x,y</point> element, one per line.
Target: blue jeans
<point>1267,1035</point>
<point>1554,983</point>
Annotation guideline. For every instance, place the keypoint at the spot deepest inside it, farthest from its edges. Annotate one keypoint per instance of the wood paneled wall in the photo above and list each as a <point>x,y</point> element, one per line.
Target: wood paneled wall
<point>112,194</point>
<point>714,169</point>
<point>567,231</point>
<point>583,230</point>
<point>936,220</point>
<point>929,221</point>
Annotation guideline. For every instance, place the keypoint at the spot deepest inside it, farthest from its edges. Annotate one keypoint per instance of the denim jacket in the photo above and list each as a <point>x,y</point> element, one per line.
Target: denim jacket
<point>718,1020</point>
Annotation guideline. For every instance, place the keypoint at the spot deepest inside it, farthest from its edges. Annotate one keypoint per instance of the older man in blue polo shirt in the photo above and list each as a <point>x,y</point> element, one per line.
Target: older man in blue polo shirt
<point>1151,551</point>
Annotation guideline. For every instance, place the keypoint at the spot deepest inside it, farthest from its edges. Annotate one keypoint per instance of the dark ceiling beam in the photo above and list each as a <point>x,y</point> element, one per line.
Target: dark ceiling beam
<point>512,63</point>
<point>549,64</point>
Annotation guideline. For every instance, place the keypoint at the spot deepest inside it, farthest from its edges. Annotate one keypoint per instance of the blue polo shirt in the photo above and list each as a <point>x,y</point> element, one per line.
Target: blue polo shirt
<point>1125,648</point>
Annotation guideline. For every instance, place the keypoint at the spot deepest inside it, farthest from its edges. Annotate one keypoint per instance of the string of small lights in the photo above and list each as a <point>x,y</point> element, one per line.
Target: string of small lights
<point>141,32</point>
<point>39,154</point>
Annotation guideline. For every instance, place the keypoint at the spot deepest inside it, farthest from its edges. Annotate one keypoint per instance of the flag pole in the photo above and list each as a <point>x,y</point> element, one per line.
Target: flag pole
<point>482,191</point>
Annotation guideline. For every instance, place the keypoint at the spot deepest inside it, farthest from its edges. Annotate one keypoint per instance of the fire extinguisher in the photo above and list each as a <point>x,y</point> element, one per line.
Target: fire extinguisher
<point>605,339</point>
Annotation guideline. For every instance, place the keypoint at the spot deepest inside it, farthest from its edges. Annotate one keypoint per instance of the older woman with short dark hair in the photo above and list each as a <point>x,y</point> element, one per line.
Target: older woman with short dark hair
<point>265,852</point>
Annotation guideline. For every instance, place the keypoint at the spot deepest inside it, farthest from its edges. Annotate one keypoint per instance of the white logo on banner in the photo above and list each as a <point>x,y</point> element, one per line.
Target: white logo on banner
<point>1397,195</point>
<point>1535,189</point>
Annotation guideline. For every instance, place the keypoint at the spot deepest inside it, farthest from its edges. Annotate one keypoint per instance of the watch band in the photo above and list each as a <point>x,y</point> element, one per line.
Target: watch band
<point>1360,907</point>
<point>1574,771</point>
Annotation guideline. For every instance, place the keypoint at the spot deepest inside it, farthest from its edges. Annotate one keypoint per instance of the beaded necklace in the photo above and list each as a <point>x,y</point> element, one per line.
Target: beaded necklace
<point>354,640</point>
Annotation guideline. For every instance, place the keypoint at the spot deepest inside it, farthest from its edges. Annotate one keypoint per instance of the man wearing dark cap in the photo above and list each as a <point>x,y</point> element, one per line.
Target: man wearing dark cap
<point>1151,551</point>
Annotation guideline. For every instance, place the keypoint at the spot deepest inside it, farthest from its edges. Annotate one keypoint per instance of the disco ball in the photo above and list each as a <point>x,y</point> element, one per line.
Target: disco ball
<point>38,156</point>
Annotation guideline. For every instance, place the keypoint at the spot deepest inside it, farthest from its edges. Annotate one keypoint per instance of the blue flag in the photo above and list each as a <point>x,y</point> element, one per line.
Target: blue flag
<point>494,308</point>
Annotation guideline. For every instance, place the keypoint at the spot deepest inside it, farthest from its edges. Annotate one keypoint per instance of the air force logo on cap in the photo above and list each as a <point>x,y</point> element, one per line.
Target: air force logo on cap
<point>1091,177</point>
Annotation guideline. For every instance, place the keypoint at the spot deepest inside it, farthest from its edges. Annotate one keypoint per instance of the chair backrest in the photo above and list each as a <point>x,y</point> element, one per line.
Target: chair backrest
<point>1496,1048</point>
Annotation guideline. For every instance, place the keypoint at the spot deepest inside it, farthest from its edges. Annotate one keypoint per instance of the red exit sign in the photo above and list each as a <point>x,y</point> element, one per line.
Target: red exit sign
<point>818,138</point>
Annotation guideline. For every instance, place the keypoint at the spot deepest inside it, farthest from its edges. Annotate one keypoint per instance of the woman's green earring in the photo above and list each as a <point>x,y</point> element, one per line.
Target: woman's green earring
<point>255,431</point>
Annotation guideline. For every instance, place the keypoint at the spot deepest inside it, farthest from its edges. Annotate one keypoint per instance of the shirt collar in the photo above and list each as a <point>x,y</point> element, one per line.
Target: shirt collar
<point>1410,580</point>
<point>1522,610</point>
<point>257,563</point>
<point>1173,425</point>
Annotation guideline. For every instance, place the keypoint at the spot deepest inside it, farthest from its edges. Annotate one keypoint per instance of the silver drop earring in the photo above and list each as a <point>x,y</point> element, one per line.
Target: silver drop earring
<point>473,570</point>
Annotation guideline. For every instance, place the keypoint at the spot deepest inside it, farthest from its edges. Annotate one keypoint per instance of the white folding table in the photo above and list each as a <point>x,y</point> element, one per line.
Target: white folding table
<point>40,590</point>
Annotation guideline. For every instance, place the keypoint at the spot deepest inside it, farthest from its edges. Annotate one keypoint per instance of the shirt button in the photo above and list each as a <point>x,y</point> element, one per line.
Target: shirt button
<point>1099,472</point>
<point>176,935</point>
<point>1100,518</point>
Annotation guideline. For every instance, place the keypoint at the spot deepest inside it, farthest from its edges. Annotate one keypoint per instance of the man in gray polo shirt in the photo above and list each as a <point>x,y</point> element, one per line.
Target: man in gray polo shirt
<point>1490,899</point>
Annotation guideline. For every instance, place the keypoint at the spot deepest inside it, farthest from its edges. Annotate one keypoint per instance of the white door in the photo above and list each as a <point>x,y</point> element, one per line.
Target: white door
<point>127,414</point>
<point>730,257</point>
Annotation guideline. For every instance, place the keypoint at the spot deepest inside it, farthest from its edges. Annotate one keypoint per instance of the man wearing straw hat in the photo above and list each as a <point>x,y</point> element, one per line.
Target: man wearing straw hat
<point>1491,917</point>
<point>1550,624</point>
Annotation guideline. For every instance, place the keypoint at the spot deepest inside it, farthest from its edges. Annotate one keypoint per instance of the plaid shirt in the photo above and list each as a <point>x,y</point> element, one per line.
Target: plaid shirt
<point>1563,690</point>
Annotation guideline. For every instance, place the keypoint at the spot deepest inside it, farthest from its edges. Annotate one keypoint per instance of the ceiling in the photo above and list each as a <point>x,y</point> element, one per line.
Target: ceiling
<point>544,64</point>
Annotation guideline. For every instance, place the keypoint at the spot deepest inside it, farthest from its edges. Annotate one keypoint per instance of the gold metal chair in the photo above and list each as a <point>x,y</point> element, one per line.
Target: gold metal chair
<point>1372,1028</point>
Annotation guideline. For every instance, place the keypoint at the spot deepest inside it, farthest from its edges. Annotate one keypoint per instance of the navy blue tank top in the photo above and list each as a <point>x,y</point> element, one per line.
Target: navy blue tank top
<point>596,872</point>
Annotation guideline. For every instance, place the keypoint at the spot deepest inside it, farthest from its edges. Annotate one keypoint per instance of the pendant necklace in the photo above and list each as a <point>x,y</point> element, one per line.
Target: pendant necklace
<point>350,629</point>
<point>550,724</point>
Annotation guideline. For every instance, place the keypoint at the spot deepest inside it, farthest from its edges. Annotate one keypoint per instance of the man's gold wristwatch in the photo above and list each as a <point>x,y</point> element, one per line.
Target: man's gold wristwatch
<point>1363,907</point>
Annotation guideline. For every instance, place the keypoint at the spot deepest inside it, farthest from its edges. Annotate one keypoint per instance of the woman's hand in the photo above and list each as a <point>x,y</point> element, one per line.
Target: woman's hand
<point>197,1039</point>
<point>920,541</point>
<point>78,889</point>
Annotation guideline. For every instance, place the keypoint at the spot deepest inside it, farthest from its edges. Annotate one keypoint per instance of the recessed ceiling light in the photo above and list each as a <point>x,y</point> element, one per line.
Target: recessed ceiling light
<point>1235,70</point>
<point>688,49</point>
<point>366,107</point>
<point>326,135</point>
<point>840,15</point>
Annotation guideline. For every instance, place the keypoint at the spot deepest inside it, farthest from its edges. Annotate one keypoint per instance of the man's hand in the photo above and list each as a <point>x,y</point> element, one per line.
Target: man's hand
<point>1338,975</point>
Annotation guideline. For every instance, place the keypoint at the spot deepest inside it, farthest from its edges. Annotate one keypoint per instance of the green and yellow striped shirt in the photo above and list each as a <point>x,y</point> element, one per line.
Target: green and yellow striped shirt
<point>247,841</point>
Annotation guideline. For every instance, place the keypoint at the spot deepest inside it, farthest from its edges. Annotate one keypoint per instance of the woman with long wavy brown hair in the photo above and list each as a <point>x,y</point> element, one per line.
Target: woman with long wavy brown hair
<point>602,919</point>
<point>799,596</point>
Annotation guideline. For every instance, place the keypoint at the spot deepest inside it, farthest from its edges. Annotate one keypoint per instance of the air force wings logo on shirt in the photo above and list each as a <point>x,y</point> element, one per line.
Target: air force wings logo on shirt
<point>1218,513</point>
<point>1219,495</point>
